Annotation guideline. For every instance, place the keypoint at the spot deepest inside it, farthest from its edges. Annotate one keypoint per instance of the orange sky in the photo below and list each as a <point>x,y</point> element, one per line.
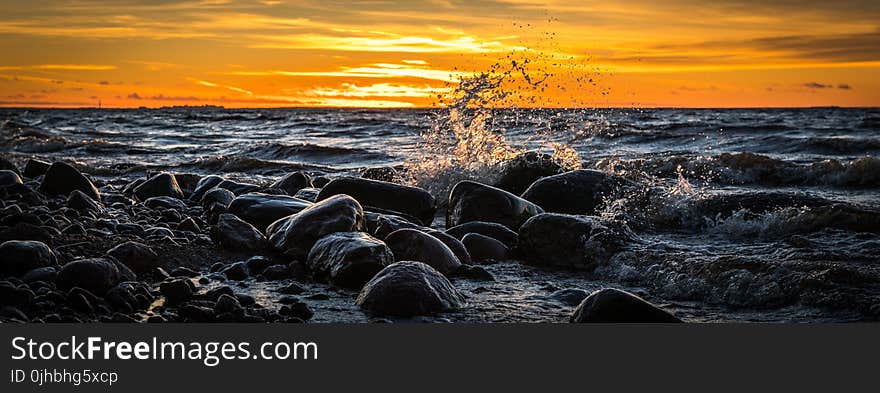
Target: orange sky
<point>268,53</point>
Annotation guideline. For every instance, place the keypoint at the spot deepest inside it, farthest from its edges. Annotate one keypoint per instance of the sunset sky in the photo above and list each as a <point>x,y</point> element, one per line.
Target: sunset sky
<point>240,53</point>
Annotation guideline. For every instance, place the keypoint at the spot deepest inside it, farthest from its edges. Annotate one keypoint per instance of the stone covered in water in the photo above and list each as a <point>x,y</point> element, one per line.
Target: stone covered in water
<point>408,289</point>
<point>412,201</point>
<point>260,209</point>
<point>580,242</point>
<point>295,235</point>
<point>574,192</point>
<point>472,201</point>
<point>611,305</point>
<point>348,259</point>
<point>414,245</point>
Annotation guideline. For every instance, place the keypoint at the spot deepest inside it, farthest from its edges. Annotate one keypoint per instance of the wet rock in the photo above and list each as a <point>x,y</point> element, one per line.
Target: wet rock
<point>219,196</point>
<point>81,202</point>
<point>11,295</point>
<point>292,289</point>
<point>473,272</point>
<point>523,170</point>
<point>79,303</point>
<point>204,185</point>
<point>610,305</point>
<point>320,181</point>
<point>409,289</point>
<point>455,245</point>
<point>481,248</point>
<point>386,174</point>
<point>183,271</point>
<point>8,178</point>
<point>580,242</point>
<point>194,313</point>
<point>12,314</point>
<point>413,201</point>
<point>163,184</point>
<point>293,182</point>
<point>139,257</point>
<point>234,234</point>
<point>97,275</point>
<point>237,188</point>
<point>276,272</point>
<point>296,234</point>
<point>18,257</point>
<point>164,202</point>
<point>384,224</point>
<point>298,310</point>
<point>35,168</point>
<point>176,291</point>
<point>5,164</point>
<point>471,201</point>
<point>491,229</point>
<point>413,245</point>
<point>260,209</point>
<point>45,274</point>
<point>62,178</point>
<point>227,303</point>
<point>258,263</point>
<point>348,259</point>
<point>574,192</point>
<point>237,271</point>
<point>189,225</point>
<point>569,296</point>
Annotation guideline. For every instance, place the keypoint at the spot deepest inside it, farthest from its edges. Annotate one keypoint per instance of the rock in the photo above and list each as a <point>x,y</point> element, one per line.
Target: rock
<point>163,184</point>
<point>12,314</point>
<point>226,303</point>
<point>473,272</point>
<point>293,182</point>
<point>97,275</point>
<point>220,196</point>
<point>189,225</point>
<point>454,245</point>
<point>481,248</point>
<point>610,305</point>
<point>10,295</point>
<point>292,289</point>
<point>18,257</point>
<point>81,202</point>
<point>5,164</point>
<point>80,303</point>
<point>276,272</point>
<point>308,194</point>
<point>237,188</point>
<point>260,209</point>
<point>176,291</point>
<point>387,174</point>
<point>187,182</point>
<point>62,178</point>
<point>258,263</point>
<point>35,168</point>
<point>523,170</point>
<point>413,201</point>
<point>413,245</point>
<point>138,257</point>
<point>204,185</point>
<point>348,259</point>
<point>237,271</point>
<point>574,192</point>
<point>298,310</point>
<point>234,234</point>
<point>295,235</point>
<point>194,313</point>
<point>491,229</point>
<point>8,178</point>
<point>472,201</point>
<point>384,224</point>
<point>569,296</point>
<point>409,289</point>
<point>320,181</point>
<point>580,242</point>
<point>164,202</point>
<point>45,274</point>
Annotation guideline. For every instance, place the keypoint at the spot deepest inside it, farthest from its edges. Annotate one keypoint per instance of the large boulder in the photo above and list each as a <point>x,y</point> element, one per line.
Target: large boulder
<point>348,259</point>
<point>8,178</point>
<point>62,178</point>
<point>409,289</point>
<point>610,305</point>
<point>204,185</point>
<point>492,229</point>
<point>260,209</point>
<point>164,202</point>
<point>238,188</point>
<point>293,182</point>
<point>523,170</point>
<point>139,257</point>
<point>414,245</point>
<point>472,201</point>
<point>232,233</point>
<point>482,248</point>
<point>381,225</point>
<point>455,245</point>
<point>412,201</point>
<point>79,201</point>
<point>574,192</point>
<point>163,184</point>
<point>220,196</point>
<point>295,235</point>
<point>17,257</point>
<point>35,168</point>
<point>97,275</point>
<point>562,240</point>
<point>5,164</point>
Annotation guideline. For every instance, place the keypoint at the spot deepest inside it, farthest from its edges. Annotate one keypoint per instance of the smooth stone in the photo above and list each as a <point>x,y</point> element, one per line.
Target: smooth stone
<point>139,257</point>
<point>204,185</point>
<point>232,233</point>
<point>81,202</point>
<point>8,178</point>
<point>580,242</point>
<point>348,259</point>
<point>471,201</point>
<point>492,229</point>
<point>482,248</point>
<point>455,245</point>
<point>45,274</point>
<point>97,275</point>
<point>413,201</point>
<point>414,245</point>
<point>220,196</point>
<point>176,291</point>
<point>164,202</point>
<point>237,271</point>
<point>35,168</point>
<point>569,296</point>
<point>295,235</point>
<point>5,164</point>
<point>62,178</point>
<point>189,225</point>
<point>237,188</point>
<point>610,305</point>
<point>292,182</point>
<point>574,192</point>
<point>384,224</point>
<point>261,210</point>
<point>163,184</point>
<point>276,272</point>
<point>520,172</point>
<point>226,303</point>
<point>409,289</point>
<point>18,257</point>
<point>308,194</point>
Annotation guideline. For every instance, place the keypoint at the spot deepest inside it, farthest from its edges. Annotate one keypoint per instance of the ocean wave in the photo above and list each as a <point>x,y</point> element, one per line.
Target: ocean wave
<point>309,152</point>
<point>223,164</point>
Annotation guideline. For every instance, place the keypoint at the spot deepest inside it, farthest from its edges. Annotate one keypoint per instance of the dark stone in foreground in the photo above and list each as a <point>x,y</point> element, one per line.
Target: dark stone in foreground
<point>204,185</point>
<point>408,289</point>
<point>296,234</point>
<point>492,229</point>
<point>292,182</point>
<point>413,201</point>
<point>139,257</point>
<point>18,257</point>
<point>97,275</point>
<point>234,234</point>
<point>62,178</point>
<point>610,305</point>
<point>163,184</point>
<point>176,291</point>
<point>574,192</point>
<point>523,170</point>
<point>472,201</point>
<point>348,259</point>
<point>261,210</point>
<point>34,168</point>
<point>78,200</point>
<point>481,248</point>
<point>413,245</point>
<point>8,178</point>
<point>580,242</point>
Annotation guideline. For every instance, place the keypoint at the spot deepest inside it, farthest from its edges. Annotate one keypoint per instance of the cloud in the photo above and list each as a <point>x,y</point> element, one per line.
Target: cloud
<point>233,88</point>
<point>816,85</point>
<point>376,70</point>
<point>844,86</point>
<point>378,90</point>
<point>134,96</point>
<point>67,67</point>
<point>104,83</point>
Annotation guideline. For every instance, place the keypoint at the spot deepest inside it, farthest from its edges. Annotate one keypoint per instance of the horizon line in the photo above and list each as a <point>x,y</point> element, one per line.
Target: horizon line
<point>426,107</point>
